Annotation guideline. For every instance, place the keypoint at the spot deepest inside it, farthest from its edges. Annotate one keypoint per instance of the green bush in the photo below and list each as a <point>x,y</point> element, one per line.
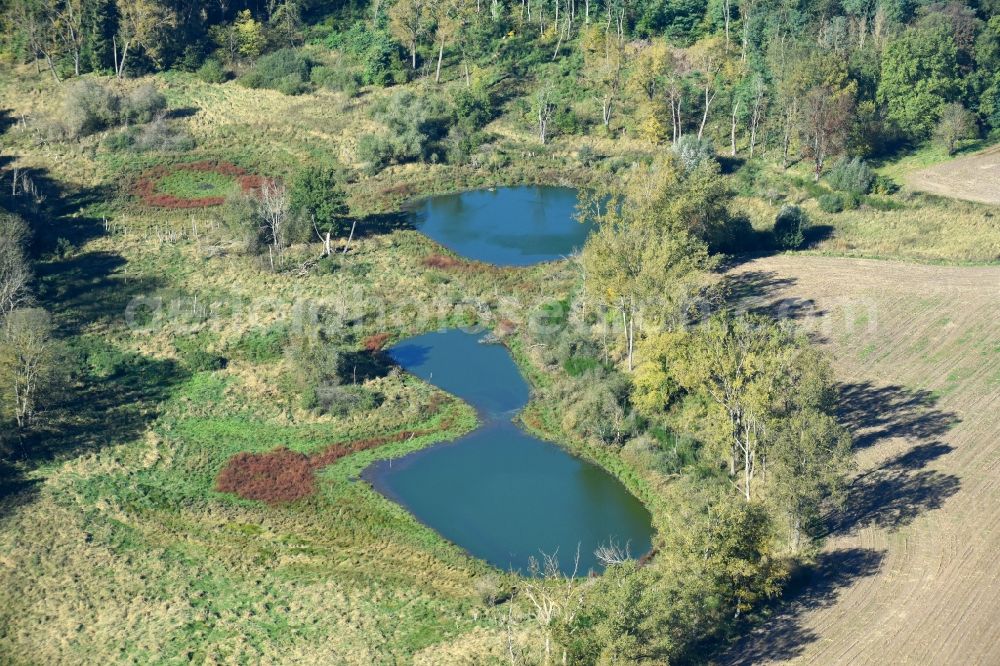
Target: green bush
<point>884,185</point>
<point>212,72</point>
<point>830,203</point>
<point>790,228</point>
<point>345,80</point>
<point>851,175</point>
<point>261,345</point>
<point>375,50</point>
<point>285,70</point>
<point>578,365</point>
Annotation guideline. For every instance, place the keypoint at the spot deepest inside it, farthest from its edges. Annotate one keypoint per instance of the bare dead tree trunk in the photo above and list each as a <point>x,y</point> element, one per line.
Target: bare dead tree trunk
<point>732,129</point>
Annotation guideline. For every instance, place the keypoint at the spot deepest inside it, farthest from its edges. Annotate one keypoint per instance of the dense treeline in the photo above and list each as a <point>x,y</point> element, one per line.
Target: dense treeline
<point>815,80</point>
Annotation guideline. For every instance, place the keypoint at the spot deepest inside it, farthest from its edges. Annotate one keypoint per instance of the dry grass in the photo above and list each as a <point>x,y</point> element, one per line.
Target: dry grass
<point>923,229</point>
<point>913,562</point>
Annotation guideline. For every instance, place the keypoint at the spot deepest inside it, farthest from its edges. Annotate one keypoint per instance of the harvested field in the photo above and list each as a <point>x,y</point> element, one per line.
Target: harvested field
<point>909,573</point>
<point>973,178</point>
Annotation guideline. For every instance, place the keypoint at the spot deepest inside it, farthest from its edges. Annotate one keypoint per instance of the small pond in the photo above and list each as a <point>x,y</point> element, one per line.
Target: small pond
<point>507,226</point>
<point>498,492</point>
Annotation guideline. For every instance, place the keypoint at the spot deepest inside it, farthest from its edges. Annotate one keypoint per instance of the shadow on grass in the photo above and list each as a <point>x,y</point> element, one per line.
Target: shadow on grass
<point>379,224</point>
<point>86,292</point>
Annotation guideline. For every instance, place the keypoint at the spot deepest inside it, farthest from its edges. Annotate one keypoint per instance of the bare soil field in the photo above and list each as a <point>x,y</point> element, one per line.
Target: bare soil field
<point>910,572</point>
<point>973,178</point>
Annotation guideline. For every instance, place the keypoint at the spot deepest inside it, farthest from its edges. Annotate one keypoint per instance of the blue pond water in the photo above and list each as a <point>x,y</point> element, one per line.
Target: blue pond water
<point>498,492</point>
<point>507,226</point>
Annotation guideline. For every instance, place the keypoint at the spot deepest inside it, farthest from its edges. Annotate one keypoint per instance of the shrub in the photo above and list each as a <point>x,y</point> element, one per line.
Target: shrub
<point>212,72</point>
<point>693,151</point>
<point>790,228</point>
<point>89,107</point>
<point>343,79</point>
<point>160,135</point>
<point>830,203</point>
<point>142,104</point>
<point>285,70</point>
<point>375,50</point>
<point>851,175</point>
<point>884,185</point>
<point>260,346</point>
<point>416,125</point>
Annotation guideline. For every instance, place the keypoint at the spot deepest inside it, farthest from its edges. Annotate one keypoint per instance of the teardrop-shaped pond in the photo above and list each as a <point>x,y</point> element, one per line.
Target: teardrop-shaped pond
<point>499,493</point>
<point>506,226</point>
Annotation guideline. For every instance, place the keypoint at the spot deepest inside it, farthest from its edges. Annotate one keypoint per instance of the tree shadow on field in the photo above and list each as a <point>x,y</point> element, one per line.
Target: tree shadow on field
<point>811,587</point>
<point>873,412</point>
<point>894,494</point>
<point>757,292</point>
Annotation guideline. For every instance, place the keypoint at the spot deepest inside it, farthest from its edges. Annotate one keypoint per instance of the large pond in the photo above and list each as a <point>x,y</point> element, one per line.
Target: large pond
<point>499,493</point>
<point>507,226</point>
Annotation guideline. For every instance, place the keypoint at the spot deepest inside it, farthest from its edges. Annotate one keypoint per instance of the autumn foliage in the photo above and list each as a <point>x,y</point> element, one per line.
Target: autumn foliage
<point>282,476</point>
<point>376,342</point>
<point>145,188</point>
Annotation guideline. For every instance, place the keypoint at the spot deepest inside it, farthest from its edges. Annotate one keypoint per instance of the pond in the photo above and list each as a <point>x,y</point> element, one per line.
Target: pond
<point>506,226</point>
<point>499,493</point>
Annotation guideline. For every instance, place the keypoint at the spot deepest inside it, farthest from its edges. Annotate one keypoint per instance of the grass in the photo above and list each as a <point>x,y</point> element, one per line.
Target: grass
<point>186,184</point>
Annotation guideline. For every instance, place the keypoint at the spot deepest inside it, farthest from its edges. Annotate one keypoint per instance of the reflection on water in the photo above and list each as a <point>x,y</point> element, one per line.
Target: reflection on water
<point>507,226</point>
<point>498,492</point>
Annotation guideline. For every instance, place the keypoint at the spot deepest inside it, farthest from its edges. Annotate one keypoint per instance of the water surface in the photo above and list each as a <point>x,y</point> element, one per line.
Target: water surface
<point>498,492</point>
<point>507,226</point>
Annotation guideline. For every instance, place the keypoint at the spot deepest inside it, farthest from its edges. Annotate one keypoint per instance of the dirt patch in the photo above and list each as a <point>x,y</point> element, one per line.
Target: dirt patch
<point>973,178</point>
<point>281,476</point>
<point>146,187</point>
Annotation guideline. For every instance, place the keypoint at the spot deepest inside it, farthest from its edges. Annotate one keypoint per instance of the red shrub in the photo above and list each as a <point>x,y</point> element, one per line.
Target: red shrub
<point>441,261</point>
<point>145,188</point>
<point>275,477</point>
<point>285,476</point>
<point>376,342</point>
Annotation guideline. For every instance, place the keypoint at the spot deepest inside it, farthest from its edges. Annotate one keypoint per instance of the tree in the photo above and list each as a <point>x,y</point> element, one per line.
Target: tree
<point>544,109</point>
<point>604,54</point>
<point>826,120</point>
<point>144,23</point>
<point>27,362</point>
<point>14,271</point>
<point>409,21</point>
<point>272,215</point>
<point>810,453</point>
<point>250,40</point>
<point>740,363</point>
<point>644,257</point>
<point>318,200</point>
<point>919,76</point>
<point>956,123</point>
